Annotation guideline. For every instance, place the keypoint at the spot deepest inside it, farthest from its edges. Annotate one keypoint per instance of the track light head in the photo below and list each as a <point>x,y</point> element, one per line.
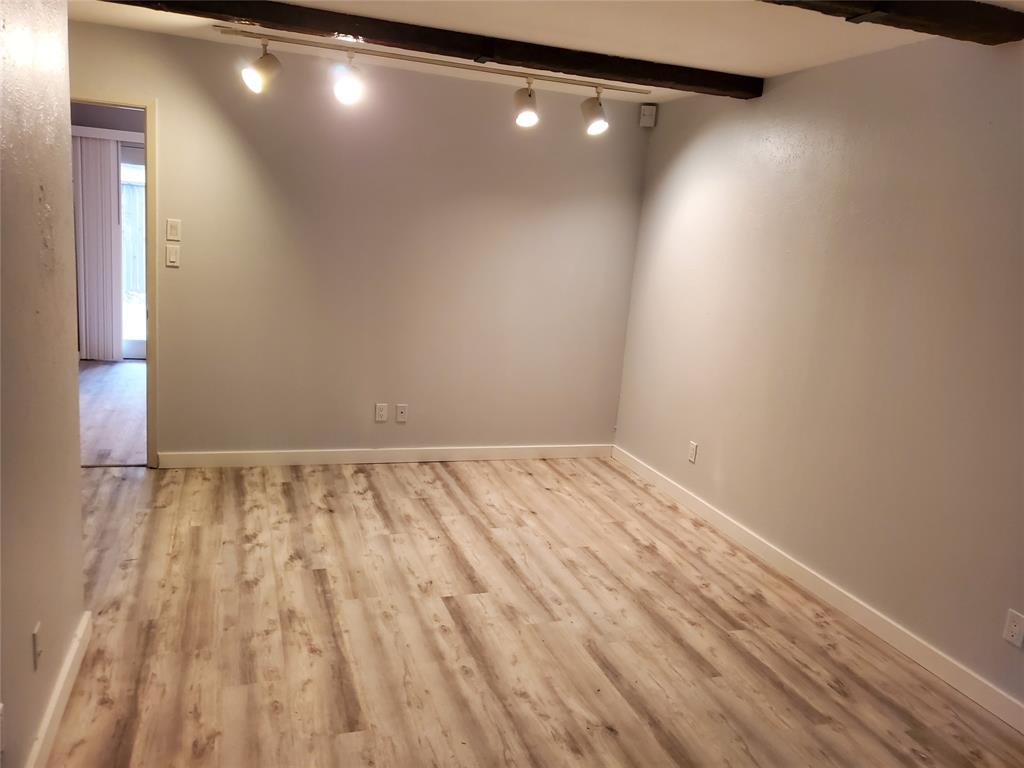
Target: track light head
<point>349,87</point>
<point>525,101</point>
<point>257,76</point>
<point>593,115</point>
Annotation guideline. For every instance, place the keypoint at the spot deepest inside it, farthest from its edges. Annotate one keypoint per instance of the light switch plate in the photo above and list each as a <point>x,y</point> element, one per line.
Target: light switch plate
<point>172,255</point>
<point>173,230</point>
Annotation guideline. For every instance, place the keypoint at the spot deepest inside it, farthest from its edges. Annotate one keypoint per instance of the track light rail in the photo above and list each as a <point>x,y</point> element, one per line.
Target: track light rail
<point>362,51</point>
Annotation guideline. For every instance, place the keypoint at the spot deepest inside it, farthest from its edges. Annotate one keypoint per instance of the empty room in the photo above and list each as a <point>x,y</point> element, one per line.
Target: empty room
<point>471,384</point>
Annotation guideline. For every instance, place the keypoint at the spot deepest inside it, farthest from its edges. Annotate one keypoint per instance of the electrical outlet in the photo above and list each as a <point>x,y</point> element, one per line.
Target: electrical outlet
<point>693,452</point>
<point>1013,632</point>
<point>401,413</point>
<point>37,645</point>
<point>380,412</point>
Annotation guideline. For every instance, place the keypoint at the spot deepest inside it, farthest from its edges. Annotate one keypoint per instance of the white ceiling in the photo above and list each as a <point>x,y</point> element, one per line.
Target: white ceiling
<point>740,36</point>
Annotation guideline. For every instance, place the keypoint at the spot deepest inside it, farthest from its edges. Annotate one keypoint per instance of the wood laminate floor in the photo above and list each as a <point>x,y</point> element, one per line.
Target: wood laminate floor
<point>516,613</point>
<point>112,411</point>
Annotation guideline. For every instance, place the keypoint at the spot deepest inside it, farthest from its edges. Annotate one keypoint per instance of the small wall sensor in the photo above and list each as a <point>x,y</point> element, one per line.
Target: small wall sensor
<point>648,115</point>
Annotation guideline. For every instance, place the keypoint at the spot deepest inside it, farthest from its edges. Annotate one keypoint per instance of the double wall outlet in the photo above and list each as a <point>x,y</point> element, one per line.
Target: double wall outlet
<point>380,412</point>
<point>692,455</point>
<point>1013,631</point>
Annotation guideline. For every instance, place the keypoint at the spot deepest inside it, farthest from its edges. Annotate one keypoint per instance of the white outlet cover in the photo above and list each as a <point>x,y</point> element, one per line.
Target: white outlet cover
<point>401,413</point>
<point>693,452</point>
<point>1013,632</point>
<point>380,412</point>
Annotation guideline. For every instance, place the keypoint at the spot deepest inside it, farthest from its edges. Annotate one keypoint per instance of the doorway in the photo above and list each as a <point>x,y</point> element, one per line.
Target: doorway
<point>109,179</point>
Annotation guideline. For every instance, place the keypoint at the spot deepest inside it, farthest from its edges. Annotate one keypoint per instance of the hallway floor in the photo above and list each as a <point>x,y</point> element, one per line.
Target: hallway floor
<point>112,409</point>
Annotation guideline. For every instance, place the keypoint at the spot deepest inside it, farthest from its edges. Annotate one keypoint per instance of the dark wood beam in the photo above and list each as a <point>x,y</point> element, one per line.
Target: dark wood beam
<point>462,45</point>
<point>961,20</point>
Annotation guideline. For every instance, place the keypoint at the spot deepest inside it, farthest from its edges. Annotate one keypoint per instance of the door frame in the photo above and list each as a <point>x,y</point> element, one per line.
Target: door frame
<point>152,275</point>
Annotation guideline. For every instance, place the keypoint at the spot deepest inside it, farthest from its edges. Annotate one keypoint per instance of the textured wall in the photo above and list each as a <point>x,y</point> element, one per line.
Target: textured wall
<point>40,527</point>
<point>419,249</point>
<point>828,297</point>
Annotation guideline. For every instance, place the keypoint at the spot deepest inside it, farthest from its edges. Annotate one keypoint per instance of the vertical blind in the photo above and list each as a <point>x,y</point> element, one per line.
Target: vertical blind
<point>98,247</point>
<point>133,240</point>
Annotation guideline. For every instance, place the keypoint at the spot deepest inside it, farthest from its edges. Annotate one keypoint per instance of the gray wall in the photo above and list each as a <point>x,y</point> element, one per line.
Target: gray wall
<point>828,298</point>
<point>419,249</point>
<point>40,531</point>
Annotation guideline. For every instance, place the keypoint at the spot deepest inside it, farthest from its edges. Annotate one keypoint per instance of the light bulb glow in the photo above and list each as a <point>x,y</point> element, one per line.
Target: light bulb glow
<point>525,104</point>
<point>527,118</point>
<point>593,116</point>
<point>257,76</point>
<point>349,87</point>
<point>253,80</point>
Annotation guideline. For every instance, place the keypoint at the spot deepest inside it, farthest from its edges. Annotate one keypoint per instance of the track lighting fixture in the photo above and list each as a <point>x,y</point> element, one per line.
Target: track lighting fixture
<point>526,106</point>
<point>593,115</point>
<point>349,87</point>
<point>257,76</point>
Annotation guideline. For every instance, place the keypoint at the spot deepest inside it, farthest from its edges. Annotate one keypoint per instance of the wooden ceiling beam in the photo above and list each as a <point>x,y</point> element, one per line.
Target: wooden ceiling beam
<point>958,19</point>
<point>479,48</point>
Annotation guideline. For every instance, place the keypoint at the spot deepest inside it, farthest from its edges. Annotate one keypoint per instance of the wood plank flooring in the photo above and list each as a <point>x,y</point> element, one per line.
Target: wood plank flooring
<point>112,412</point>
<point>511,613</point>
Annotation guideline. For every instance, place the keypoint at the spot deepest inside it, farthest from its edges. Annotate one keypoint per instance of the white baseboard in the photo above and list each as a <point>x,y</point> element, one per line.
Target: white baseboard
<point>182,459</point>
<point>39,755</point>
<point>987,694</point>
